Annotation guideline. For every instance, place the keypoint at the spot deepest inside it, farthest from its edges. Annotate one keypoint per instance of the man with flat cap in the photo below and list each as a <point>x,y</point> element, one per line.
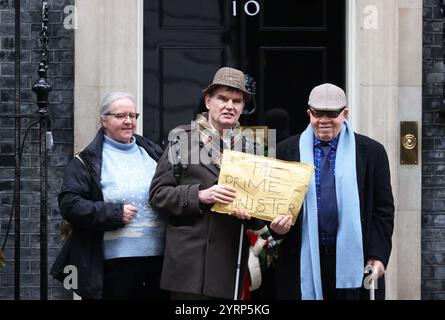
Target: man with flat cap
<point>346,222</point>
<point>202,247</point>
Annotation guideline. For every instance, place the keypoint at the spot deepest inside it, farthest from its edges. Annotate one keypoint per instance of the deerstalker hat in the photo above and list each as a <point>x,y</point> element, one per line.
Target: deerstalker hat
<point>229,77</point>
<point>327,97</point>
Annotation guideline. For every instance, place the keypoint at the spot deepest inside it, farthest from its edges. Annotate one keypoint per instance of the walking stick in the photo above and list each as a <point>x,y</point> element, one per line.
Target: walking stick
<point>372,286</point>
<point>370,283</point>
<point>238,265</point>
<point>372,290</point>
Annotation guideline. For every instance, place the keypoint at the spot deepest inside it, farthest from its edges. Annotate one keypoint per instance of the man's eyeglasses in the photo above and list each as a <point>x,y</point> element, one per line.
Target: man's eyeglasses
<point>329,114</point>
<point>123,116</point>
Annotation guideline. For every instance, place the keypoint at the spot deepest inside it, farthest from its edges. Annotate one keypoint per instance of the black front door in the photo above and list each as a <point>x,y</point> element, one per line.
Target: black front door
<point>287,46</point>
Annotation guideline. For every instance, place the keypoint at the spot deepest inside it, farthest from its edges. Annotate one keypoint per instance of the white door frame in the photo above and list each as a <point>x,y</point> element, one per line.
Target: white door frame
<point>381,36</point>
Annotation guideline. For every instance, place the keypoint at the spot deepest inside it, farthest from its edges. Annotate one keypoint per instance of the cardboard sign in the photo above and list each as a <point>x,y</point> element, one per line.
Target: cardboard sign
<point>265,187</point>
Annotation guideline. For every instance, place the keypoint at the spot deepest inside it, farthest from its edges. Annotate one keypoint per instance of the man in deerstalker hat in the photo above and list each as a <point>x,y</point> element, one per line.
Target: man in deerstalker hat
<point>201,253</point>
<point>348,215</point>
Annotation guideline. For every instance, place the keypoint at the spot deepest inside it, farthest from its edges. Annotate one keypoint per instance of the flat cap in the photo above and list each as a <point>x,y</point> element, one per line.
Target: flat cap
<point>327,97</point>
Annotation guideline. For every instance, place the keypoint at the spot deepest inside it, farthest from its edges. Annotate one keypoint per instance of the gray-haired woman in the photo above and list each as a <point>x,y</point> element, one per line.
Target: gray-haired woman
<point>117,243</point>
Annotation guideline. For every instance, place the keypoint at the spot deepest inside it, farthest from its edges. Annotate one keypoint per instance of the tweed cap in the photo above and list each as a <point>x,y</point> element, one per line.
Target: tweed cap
<point>229,77</point>
<point>327,97</point>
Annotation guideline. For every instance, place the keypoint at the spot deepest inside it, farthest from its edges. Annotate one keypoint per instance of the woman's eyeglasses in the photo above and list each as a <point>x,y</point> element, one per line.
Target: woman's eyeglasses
<point>123,116</point>
<point>329,114</point>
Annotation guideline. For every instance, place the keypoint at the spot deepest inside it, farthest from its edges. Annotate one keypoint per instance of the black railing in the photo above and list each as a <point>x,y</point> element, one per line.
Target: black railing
<point>16,203</point>
<point>41,89</point>
<point>442,105</point>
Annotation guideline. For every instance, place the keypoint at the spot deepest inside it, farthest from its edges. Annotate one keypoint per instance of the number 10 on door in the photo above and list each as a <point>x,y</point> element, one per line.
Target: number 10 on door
<point>251,8</point>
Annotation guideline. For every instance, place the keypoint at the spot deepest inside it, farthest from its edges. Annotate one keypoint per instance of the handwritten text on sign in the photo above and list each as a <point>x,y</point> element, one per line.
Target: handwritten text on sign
<point>265,187</point>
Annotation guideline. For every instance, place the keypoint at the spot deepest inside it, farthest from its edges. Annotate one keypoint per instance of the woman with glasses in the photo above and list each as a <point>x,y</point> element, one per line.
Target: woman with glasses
<point>117,242</point>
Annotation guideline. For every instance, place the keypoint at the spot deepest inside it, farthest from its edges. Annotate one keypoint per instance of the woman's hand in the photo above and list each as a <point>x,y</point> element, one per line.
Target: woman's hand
<point>129,212</point>
<point>217,194</point>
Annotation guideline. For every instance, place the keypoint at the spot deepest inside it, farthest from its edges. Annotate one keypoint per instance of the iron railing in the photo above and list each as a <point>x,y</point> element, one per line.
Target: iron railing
<point>41,89</point>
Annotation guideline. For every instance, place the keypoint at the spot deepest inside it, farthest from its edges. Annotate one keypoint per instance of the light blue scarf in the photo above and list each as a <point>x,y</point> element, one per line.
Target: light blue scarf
<point>350,261</point>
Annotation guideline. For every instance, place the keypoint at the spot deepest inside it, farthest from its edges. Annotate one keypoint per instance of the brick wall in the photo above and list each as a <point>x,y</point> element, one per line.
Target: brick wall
<point>433,176</point>
<point>60,74</point>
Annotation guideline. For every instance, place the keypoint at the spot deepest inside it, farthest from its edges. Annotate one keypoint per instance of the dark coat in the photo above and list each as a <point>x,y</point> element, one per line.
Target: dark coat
<point>376,211</point>
<point>81,204</point>
<point>201,246</point>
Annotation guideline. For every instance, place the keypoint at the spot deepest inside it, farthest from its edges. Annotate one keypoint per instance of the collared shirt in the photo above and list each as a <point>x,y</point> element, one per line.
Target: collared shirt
<point>318,156</point>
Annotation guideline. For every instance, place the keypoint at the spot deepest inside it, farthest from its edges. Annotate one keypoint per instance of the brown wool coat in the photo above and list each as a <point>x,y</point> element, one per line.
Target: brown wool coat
<point>201,246</point>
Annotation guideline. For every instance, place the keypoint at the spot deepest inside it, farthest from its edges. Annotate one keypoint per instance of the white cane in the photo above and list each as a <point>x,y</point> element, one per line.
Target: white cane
<point>370,284</point>
<point>372,289</point>
<point>238,264</point>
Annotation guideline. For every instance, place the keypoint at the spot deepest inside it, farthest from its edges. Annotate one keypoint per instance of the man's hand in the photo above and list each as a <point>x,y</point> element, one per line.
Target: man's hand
<point>241,214</point>
<point>217,194</point>
<point>129,212</point>
<point>281,224</point>
<point>378,270</point>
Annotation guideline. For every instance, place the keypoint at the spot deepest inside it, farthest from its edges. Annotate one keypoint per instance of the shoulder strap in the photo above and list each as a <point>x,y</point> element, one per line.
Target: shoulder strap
<point>175,158</point>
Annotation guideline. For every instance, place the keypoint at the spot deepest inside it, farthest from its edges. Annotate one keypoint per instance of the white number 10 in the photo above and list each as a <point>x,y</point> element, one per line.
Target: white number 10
<point>247,8</point>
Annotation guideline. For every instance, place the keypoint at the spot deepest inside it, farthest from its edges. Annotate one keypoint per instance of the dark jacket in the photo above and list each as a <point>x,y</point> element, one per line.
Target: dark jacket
<point>81,204</point>
<point>202,246</point>
<point>376,211</point>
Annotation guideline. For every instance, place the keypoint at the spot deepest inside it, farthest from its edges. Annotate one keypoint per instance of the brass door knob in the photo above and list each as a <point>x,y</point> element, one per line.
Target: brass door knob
<point>409,141</point>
